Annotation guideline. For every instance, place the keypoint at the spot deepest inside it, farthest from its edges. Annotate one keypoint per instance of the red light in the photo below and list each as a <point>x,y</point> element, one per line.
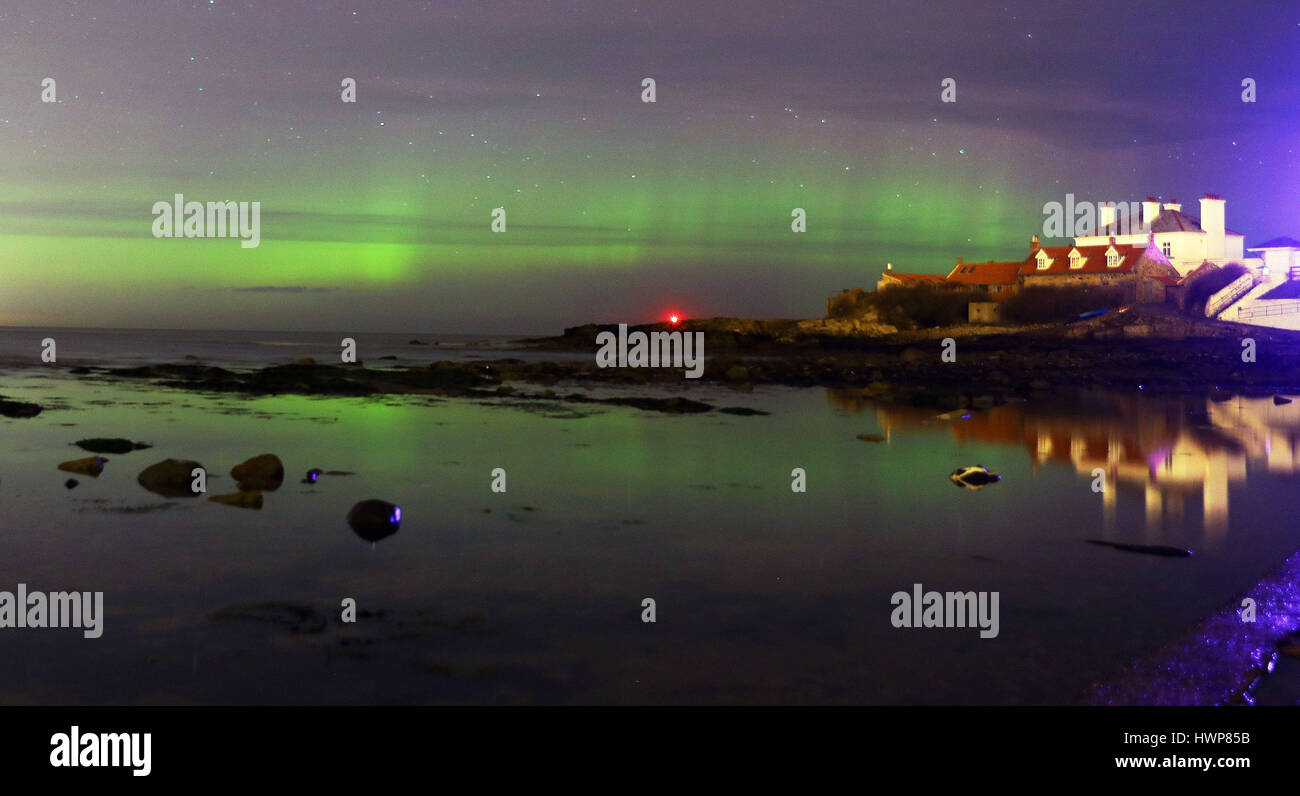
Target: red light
<point>673,319</point>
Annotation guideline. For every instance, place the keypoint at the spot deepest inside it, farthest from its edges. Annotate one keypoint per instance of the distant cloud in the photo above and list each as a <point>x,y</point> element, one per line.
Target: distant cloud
<point>283,289</point>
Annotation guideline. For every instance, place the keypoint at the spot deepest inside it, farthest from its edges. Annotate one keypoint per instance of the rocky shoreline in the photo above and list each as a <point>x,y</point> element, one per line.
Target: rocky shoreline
<point>1155,352</point>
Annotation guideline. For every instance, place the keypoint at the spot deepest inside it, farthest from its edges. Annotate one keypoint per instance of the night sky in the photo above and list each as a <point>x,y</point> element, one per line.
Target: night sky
<point>375,215</point>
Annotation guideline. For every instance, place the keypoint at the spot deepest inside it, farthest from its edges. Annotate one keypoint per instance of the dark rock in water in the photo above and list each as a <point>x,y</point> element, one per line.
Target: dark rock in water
<point>1279,400</point>
<point>170,478</point>
<point>874,438</point>
<point>390,356</point>
<point>190,356</point>
<point>974,477</point>
<point>18,408</point>
<point>1148,549</point>
<point>80,371</point>
<point>265,472</point>
<point>339,472</point>
<point>744,411</point>
<point>71,483</point>
<point>91,466</point>
<point>375,519</point>
<point>110,445</point>
<point>416,342</point>
<point>250,499</point>
<point>312,475</point>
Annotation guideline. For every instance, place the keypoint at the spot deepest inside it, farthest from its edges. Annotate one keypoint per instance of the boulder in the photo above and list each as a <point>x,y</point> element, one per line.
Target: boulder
<point>18,408</point>
<point>110,445</point>
<point>373,520</point>
<point>91,466</point>
<point>251,499</point>
<point>170,478</point>
<point>265,472</point>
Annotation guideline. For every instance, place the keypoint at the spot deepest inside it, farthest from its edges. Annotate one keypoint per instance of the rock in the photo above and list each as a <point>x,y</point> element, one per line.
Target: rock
<point>110,445</point>
<point>390,356</point>
<point>373,520</point>
<point>743,411</point>
<point>91,466</point>
<point>170,478</point>
<point>872,437</point>
<point>416,342</point>
<point>737,373</point>
<point>18,408</point>
<point>974,477</point>
<point>71,483</point>
<point>1148,549</point>
<point>306,361</point>
<point>190,356</point>
<point>1279,400</point>
<point>265,472</point>
<point>250,499</point>
<point>80,371</point>
<point>312,475</point>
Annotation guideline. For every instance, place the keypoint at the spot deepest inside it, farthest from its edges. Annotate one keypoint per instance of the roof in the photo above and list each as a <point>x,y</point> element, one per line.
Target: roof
<point>989,273</point>
<point>1094,259</point>
<point>912,279</point>
<point>1166,221</point>
<point>1277,243</point>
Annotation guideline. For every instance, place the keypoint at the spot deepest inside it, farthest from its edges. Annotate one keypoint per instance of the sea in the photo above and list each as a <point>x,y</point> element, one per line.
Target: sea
<point>559,553</point>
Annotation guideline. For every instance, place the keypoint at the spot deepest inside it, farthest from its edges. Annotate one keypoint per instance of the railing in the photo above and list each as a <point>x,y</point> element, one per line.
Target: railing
<point>1269,308</point>
<point>1235,290</point>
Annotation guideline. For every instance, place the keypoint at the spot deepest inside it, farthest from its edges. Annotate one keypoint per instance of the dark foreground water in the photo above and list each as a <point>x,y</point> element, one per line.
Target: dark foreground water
<point>763,594</point>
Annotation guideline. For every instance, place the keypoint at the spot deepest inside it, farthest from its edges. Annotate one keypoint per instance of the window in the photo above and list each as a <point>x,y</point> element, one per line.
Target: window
<point>1076,261</point>
<point>1166,248</point>
<point>1112,260</point>
<point>1043,262</point>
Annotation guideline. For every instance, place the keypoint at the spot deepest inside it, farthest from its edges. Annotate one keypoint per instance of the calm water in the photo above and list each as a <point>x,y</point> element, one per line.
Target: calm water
<point>763,594</point>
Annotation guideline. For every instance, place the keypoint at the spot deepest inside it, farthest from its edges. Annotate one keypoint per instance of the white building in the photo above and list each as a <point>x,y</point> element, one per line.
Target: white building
<point>1281,257</point>
<point>1186,241</point>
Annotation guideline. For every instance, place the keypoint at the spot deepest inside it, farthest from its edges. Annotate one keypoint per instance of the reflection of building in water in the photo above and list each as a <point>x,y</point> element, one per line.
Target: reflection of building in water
<point>1163,449</point>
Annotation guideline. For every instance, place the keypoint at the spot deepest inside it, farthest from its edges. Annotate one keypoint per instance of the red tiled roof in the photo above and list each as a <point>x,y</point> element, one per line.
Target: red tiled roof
<point>989,273</point>
<point>913,279</point>
<point>1094,259</point>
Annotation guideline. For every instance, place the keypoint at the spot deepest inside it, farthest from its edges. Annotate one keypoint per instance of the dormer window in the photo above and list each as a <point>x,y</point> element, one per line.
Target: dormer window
<point>1112,260</point>
<point>1076,260</point>
<point>1044,262</point>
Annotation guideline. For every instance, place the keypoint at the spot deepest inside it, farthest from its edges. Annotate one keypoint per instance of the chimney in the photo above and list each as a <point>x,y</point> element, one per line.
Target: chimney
<point>959,261</point>
<point>1212,224</point>
<point>1150,209</point>
<point>1106,214</point>
<point>889,266</point>
<point>1033,244</point>
<point>1174,206</point>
